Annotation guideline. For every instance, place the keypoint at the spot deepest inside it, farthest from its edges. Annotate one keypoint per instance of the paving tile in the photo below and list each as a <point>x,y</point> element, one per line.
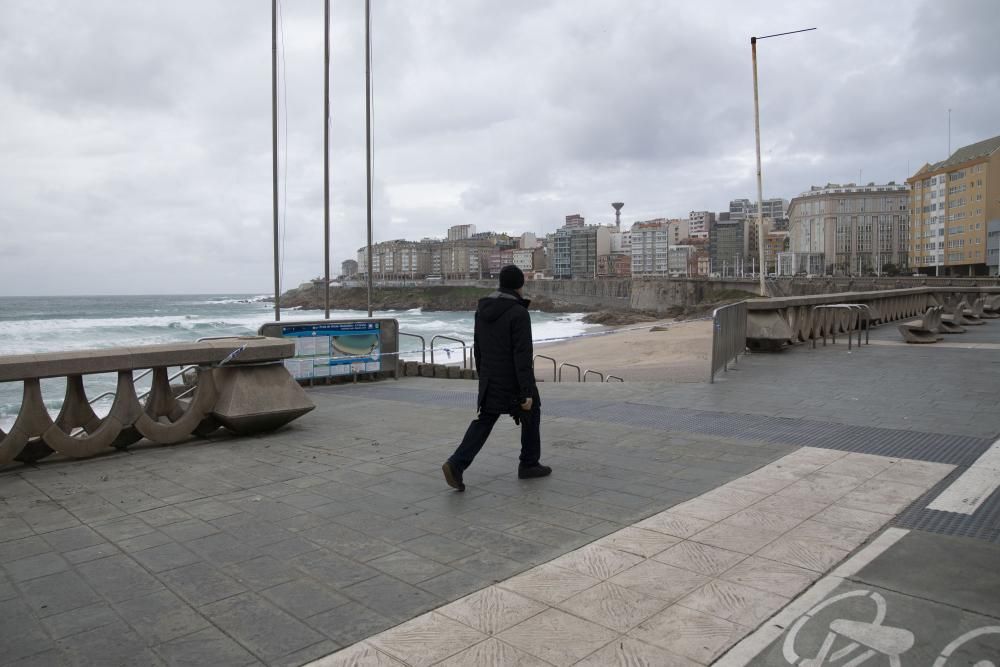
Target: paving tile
<point>71,539</point>
<point>660,580</point>
<point>490,566</point>
<point>160,617</point>
<point>919,473</point>
<point>675,524</point>
<point>123,529</point>
<point>359,655</point>
<point>165,557</point>
<point>760,519</point>
<point>439,548</point>
<point>190,529</point>
<point>333,569</point>
<point>262,572</point>
<point>734,602</point>
<point>550,583</point>
<point>87,554</point>
<point>107,645</point>
<point>613,606</point>
<point>689,633</point>
<point>22,635</point>
<point>491,610</point>
<point>306,655</point>
<point>147,541</point>
<point>822,487</point>
<point>853,518</point>
<point>798,507</point>
<point>222,549</point>
<point>770,576</point>
<point>629,652</point>
<point>882,496</point>
<point>259,626</point>
<point>14,528</point>
<point>162,516</point>
<point>701,558</point>
<point>816,555</point>
<point>493,653</point>
<point>349,623</point>
<point>205,647</point>
<point>408,566</point>
<point>596,561</point>
<point>736,538</point>
<point>304,597</point>
<point>391,597</point>
<point>862,466</point>
<point>638,541</point>
<point>201,583</point>
<point>32,567</point>
<point>841,537</point>
<point>80,620</point>
<point>452,585</point>
<point>558,637</point>
<point>22,548</point>
<point>426,639</point>
<point>118,578</point>
<point>57,593</point>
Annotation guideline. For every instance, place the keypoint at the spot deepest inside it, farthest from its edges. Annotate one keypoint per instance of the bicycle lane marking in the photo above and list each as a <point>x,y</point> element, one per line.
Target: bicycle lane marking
<point>973,487</point>
<point>753,644</point>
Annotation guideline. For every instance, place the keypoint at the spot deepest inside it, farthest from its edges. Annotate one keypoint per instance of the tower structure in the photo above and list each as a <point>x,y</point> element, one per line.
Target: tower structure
<point>618,213</point>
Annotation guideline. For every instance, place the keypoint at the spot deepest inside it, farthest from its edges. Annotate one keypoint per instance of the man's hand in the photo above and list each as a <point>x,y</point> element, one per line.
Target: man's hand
<point>527,403</point>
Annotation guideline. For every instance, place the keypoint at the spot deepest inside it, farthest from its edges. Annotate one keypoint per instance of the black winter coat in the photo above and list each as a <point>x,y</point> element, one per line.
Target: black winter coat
<point>503,352</point>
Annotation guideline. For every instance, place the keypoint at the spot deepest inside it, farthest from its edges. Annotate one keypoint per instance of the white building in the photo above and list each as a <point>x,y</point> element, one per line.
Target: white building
<point>700,224</point>
<point>461,232</point>
<point>650,246</point>
<point>528,241</point>
<point>524,258</point>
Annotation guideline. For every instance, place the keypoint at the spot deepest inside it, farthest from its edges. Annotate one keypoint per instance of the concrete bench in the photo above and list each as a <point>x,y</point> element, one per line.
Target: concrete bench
<point>962,315</point>
<point>928,331</point>
<point>240,384</point>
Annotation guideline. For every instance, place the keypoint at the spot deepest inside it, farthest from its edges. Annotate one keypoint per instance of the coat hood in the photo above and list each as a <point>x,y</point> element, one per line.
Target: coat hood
<point>492,307</point>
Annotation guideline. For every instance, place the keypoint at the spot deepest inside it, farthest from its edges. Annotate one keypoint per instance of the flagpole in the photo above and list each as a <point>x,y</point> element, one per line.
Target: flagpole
<point>274,153</point>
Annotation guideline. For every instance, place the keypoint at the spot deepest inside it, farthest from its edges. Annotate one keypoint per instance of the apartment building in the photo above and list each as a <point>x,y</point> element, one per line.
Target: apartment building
<point>700,224</point>
<point>954,206</point>
<point>859,229</point>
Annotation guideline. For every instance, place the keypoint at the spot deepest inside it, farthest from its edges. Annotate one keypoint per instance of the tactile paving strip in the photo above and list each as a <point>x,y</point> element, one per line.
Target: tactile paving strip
<point>956,450</point>
<point>983,524</point>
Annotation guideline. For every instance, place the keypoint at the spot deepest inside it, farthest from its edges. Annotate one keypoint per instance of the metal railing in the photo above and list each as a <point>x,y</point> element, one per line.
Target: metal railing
<point>542,356</point>
<point>593,372</point>
<point>564,365</point>
<point>729,336</point>
<point>139,377</point>
<point>465,356</point>
<point>859,318</point>
<point>423,345</point>
<point>615,377</point>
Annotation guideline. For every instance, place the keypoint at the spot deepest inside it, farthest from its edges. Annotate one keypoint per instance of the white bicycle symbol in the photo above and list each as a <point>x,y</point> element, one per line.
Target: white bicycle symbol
<point>868,640</point>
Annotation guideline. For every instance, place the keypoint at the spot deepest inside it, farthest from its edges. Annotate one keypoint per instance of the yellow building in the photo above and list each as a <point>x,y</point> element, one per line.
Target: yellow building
<point>954,207</point>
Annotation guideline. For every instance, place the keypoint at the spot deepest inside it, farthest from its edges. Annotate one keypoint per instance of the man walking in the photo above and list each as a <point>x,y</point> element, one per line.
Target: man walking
<point>502,349</point>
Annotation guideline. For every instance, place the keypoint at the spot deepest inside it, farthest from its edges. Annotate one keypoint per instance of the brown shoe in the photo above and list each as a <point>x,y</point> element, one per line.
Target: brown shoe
<point>453,476</point>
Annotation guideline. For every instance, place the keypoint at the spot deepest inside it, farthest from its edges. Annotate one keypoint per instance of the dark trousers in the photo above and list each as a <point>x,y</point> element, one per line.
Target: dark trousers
<point>480,428</point>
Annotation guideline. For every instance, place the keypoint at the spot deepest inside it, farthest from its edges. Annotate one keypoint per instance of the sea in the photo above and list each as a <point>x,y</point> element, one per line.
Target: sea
<point>31,325</point>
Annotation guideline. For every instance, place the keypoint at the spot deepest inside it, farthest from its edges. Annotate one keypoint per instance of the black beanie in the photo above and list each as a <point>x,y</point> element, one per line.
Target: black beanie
<point>511,277</point>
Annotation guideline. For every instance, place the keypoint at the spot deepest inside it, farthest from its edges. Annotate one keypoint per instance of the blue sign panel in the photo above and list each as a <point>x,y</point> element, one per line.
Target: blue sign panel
<point>334,348</point>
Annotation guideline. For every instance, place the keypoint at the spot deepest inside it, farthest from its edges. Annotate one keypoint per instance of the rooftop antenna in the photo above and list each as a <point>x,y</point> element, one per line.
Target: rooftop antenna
<point>618,213</point>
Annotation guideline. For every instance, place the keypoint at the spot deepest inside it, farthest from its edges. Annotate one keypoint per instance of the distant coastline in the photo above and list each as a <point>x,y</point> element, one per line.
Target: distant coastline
<point>309,296</point>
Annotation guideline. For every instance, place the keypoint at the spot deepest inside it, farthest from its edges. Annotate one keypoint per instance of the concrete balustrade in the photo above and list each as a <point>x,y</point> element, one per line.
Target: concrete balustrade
<point>773,323</point>
<point>240,385</point>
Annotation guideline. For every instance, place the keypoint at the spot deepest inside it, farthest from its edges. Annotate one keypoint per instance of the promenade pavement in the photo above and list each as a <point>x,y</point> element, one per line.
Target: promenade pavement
<point>684,524</point>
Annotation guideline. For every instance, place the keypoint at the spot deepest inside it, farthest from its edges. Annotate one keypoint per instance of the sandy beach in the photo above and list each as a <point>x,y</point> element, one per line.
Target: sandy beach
<point>678,353</point>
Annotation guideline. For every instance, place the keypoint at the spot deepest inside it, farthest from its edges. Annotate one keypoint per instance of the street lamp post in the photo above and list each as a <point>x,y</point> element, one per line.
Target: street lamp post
<point>756,128</point>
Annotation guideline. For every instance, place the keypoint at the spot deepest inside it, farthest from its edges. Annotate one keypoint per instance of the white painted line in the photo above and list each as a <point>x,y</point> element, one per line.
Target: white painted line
<point>974,486</point>
<point>742,653</point>
<point>876,548</point>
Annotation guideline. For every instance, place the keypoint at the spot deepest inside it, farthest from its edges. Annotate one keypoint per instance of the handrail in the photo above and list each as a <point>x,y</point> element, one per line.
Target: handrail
<point>863,321</point>
<point>566,363</point>
<point>456,340</point>
<point>617,377</point>
<point>544,356</point>
<point>597,373</point>
<point>423,345</point>
<point>141,375</point>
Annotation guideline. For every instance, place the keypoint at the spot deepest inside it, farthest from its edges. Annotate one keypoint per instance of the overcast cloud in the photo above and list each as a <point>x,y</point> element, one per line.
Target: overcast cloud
<point>136,136</point>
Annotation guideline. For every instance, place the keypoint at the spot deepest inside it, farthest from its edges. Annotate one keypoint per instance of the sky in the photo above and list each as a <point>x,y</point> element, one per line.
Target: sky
<point>135,137</point>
